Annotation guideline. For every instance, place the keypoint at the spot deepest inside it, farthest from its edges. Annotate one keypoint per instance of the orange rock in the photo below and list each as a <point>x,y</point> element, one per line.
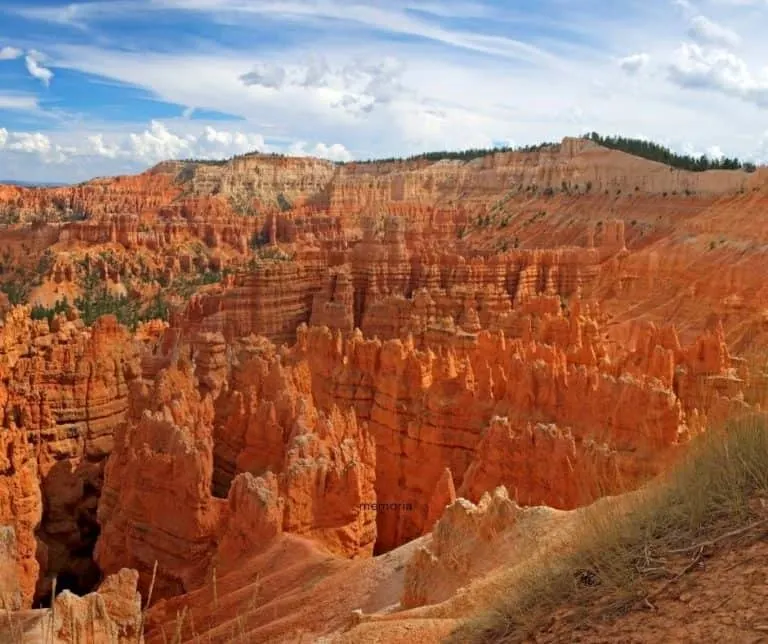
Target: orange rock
<point>111,614</point>
<point>21,509</point>
<point>443,496</point>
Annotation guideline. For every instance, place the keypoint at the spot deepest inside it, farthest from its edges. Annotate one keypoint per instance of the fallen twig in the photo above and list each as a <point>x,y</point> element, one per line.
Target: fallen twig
<point>712,542</point>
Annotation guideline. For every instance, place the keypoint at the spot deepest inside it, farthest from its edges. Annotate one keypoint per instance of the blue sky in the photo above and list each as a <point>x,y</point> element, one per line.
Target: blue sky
<point>114,86</point>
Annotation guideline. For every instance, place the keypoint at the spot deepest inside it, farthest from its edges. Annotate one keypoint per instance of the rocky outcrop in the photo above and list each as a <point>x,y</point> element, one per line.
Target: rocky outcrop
<point>110,614</point>
<point>65,391</point>
<point>156,504</point>
<point>306,472</point>
<point>541,464</point>
<point>271,301</point>
<point>459,541</point>
<point>21,509</point>
<point>118,195</point>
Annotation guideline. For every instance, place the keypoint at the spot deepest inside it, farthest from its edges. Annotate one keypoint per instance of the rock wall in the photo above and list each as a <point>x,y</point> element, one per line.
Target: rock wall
<point>65,390</point>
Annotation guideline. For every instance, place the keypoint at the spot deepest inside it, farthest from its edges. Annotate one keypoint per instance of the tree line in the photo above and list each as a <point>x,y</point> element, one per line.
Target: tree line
<point>655,152</point>
<point>637,147</point>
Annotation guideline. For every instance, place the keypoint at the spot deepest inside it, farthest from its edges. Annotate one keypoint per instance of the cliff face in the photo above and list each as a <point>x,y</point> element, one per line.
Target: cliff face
<point>21,510</point>
<point>118,195</point>
<point>262,182</point>
<point>65,390</point>
<point>580,166</point>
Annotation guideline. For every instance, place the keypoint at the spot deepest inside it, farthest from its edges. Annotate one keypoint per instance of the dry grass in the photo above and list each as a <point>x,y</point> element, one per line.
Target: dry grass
<point>625,555</point>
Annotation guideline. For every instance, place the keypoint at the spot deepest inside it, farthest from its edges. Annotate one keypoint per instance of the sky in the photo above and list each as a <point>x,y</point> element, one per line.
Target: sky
<point>108,87</point>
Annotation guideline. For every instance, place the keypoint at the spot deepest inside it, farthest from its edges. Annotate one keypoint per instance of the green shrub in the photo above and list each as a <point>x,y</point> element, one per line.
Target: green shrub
<point>40,312</point>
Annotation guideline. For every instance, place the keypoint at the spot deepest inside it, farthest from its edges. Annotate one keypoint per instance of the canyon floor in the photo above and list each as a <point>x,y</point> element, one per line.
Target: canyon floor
<point>280,399</point>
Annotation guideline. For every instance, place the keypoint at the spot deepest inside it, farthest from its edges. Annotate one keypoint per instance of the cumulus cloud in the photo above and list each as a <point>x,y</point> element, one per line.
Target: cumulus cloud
<point>335,152</point>
<point>634,63</point>
<point>717,70</point>
<point>706,32</point>
<point>33,60</point>
<point>355,87</point>
<point>100,148</point>
<point>30,142</point>
<point>156,143</point>
<point>10,53</point>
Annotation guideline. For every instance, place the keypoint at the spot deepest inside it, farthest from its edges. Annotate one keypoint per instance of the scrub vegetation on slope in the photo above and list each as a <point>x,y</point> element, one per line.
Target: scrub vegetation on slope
<point>627,557</point>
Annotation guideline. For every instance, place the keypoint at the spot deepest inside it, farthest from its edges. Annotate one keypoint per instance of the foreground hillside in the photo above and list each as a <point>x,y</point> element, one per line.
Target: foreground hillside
<point>682,559</point>
<point>230,386</point>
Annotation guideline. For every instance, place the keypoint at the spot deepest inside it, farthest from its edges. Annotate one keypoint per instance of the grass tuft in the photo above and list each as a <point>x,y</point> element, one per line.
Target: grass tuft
<point>623,555</point>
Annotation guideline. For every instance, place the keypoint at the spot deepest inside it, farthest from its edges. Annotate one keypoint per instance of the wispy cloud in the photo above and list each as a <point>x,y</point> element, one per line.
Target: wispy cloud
<point>23,102</point>
<point>391,18</point>
<point>33,61</point>
<point>706,32</point>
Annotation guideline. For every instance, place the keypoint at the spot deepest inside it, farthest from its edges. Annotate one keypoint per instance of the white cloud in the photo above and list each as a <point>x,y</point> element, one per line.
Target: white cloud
<point>714,152</point>
<point>36,69</point>
<point>718,70</point>
<point>706,32</point>
<point>357,86</point>
<point>266,75</point>
<point>22,102</point>
<point>158,142</point>
<point>10,53</point>
<point>29,142</point>
<point>634,63</point>
<point>99,148</point>
<point>335,152</point>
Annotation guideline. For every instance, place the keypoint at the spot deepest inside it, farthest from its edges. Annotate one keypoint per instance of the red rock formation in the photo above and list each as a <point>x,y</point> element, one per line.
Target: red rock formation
<point>21,509</point>
<point>65,391</point>
<point>111,614</point>
<point>443,496</point>
<point>461,537</point>
<point>272,301</point>
<point>540,464</point>
<point>158,505</point>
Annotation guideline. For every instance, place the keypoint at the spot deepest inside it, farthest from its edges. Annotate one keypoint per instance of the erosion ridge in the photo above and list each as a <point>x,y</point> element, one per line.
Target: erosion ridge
<point>561,323</point>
